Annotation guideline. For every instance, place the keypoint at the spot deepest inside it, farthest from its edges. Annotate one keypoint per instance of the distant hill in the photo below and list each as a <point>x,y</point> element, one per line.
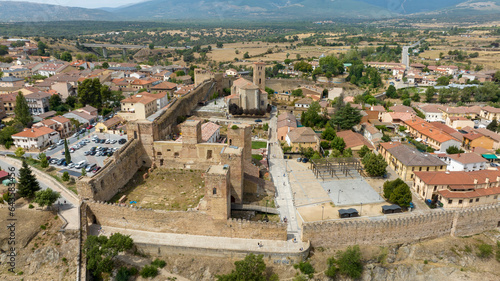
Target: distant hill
<point>14,11</point>
<point>471,8</point>
<point>413,6</point>
<point>256,9</point>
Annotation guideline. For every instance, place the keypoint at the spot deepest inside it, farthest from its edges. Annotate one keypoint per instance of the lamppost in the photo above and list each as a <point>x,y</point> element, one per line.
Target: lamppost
<point>361,210</point>
<point>322,211</point>
<point>338,197</point>
<point>265,218</point>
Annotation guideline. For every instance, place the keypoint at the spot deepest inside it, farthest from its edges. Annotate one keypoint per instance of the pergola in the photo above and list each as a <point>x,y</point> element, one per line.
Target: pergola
<point>335,167</point>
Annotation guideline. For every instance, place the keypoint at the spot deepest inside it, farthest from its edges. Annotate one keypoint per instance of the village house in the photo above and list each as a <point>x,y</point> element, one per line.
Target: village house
<point>303,103</point>
<point>371,133</point>
<point>474,139</point>
<point>88,109</point>
<point>108,125</point>
<point>38,102</point>
<point>82,117</point>
<point>231,72</point>
<point>406,160</point>
<point>17,72</point>
<point>286,123</point>
<point>9,102</point>
<point>35,138</point>
<point>459,189</point>
<point>490,113</point>
<point>458,122</point>
<point>429,134</point>
<point>462,111</point>
<point>354,141</point>
<point>432,112</point>
<point>303,137</point>
<point>11,82</point>
<point>466,162</point>
<point>138,107</point>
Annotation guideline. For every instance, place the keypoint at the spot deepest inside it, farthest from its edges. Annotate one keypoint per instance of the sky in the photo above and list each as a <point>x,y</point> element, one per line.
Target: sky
<point>84,3</point>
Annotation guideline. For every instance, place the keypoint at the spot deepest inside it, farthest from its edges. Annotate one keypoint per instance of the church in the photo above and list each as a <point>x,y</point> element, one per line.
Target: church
<point>248,95</point>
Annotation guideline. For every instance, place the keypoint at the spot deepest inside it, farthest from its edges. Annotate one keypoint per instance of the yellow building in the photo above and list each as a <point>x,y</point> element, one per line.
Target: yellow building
<point>490,113</point>
<point>459,189</point>
<point>406,160</point>
<point>302,137</point>
<point>474,139</point>
<point>108,125</point>
<point>137,107</point>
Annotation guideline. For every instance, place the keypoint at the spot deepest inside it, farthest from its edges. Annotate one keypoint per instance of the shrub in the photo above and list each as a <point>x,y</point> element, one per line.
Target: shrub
<point>31,206</point>
<point>234,127</point>
<point>43,227</point>
<point>159,263</point>
<point>149,271</point>
<point>485,250</point>
<point>304,267</point>
<point>65,176</point>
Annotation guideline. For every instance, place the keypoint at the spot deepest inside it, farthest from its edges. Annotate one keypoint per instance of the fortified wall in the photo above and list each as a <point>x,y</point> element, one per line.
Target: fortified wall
<point>404,229</point>
<point>193,223</point>
<point>121,167</point>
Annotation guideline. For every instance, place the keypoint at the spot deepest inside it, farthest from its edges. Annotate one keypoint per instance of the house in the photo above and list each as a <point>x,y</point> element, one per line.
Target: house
<point>11,82</point>
<point>88,109</point>
<point>139,84</point>
<point>9,102</point>
<point>490,113</point>
<point>406,160</point>
<point>165,87</point>
<point>80,116</point>
<point>64,126</point>
<point>432,112</point>
<point>459,189</point>
<point>286,123</point>
<point>303,137</point>
<point>396,118</point>
<point>474,139</point>
<point>466,162</point>
<point>449,130</point>
<point>38,102</point>
<point>463,111</point>
<point>304,103</point>
<point>353,140</point>
<point>108,125</point>
<point>459,122</point>
<point>138,107</point>
<point>49,69</point>
<point>35,138</point>
<point>492,135</point>
<point>402,108</point>
<point>371,133</point>
<point>429,134</point>
<point>17,73</point>
<point>210,132</point>
<point>231,72</point>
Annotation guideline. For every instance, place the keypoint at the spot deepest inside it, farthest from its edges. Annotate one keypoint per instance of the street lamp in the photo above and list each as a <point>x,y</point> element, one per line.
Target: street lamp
<point>338,197</point>
<point>322,211</point>
<point>361,210</point>
<point>265,218</point>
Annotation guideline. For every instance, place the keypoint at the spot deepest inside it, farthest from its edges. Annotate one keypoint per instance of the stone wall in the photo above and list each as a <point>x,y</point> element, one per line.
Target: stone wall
<point>121,167</point>
<point>401,229</point>
<point>194,223</point>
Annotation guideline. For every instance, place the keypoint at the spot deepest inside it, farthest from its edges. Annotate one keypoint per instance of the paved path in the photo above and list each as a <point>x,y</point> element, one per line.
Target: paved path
<point>284,195</point>
<point>69,203</point>
<point>205,242</point>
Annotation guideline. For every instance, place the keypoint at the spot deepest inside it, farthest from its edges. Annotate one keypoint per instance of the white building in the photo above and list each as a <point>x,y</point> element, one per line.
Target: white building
<point>36,138</point>
<point>466,162</point>
<point>432,113</point>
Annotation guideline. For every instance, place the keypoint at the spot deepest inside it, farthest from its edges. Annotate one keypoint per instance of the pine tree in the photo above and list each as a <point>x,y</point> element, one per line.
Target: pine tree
<point>22,111</point>
<point>28,184</point>
<point>67,156</point>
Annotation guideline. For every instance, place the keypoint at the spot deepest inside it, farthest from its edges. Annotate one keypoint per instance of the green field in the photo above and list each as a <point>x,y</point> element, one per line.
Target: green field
<point>258,144</point>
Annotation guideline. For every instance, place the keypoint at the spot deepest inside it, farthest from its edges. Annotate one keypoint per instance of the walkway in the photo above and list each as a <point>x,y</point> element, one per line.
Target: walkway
<point>206,242</point>
<point>69,203</point>
<point>284,195</point>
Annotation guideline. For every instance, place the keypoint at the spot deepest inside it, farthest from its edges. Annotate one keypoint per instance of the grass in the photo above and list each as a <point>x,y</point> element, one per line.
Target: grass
<point>257,157</point>
<point>259,144</point>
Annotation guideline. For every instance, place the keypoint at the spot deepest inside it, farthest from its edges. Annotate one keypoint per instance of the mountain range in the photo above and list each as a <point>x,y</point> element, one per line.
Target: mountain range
<point>254,10</point>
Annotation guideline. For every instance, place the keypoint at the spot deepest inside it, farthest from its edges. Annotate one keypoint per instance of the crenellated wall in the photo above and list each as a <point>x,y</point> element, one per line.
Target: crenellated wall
<point>402,229</point>
<point>194,223</point>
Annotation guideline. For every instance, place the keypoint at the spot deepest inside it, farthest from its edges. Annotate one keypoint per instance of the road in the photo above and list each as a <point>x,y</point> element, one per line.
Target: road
<point>284,195</point>
<point>68,204</point>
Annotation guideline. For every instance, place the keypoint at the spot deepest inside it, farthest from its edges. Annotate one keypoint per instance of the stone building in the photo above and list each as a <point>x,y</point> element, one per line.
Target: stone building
<point>248,95</point>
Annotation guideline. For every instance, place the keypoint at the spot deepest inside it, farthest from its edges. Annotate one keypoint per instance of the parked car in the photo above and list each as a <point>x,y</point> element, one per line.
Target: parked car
<point>90,127</point>
<point>110,153</point>
<point>93,153</point>
<point>299,159</point>
<point>59,163</point>
<point>102,141</point>
<point>97,168</point>
<point>60,142</point>
<point>493,165</point>
<point>305,160</point>
<point>122,141</point>
<point>53,147</point>
<point>108,141</point>
<point>113,141</point>
<point>258,121</point>
<point>54,160</point>
<point>71,165</point>
<point>90,167</point>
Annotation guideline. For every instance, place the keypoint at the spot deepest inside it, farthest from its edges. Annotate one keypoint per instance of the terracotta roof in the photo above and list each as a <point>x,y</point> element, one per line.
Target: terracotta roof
<point>88,108</point>
<point>370,128</point>
<point>303,135</point>
<point>470,194</point>
<point>402,108</point>
<point>388,145</point>
<point>445,128</point>
<point>353,139</point>
<point>165,85</point>
<point>144,99</point>
<point>304,101</point>
<point>38,95</point>
<point>377,108</point>
<point>486,132</point>
<point>473,136</point>
<point>112,121</point>
<point>60,119</point>
<point>241,82</point>
<point>431,108</point>
<point>410,156</point>
<point>48,122</point>
<point>491,109</point>
<point>34,132</point>
<point>458,178</point>
<point>287,120</point>
<point>467,158</point>
<point>208,130</point>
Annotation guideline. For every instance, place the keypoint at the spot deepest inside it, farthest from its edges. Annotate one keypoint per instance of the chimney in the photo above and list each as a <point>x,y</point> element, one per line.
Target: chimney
<point>498,178</point>
<point>487,180</point>
<point>475,181</point>
<point>32,130</point>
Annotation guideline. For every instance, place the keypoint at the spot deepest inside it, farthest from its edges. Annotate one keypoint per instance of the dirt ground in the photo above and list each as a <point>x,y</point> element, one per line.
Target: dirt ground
<point>164,189</point>
<point>43,253</point>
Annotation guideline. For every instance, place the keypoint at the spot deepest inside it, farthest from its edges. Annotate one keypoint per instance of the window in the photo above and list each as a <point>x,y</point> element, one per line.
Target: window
<point>477,199</point>
<point>420,168</point>
<point>495,197</point>
<point>450,201</point>
<point>472,200</point>
<point>214,191</point>
<point>460,201</point>
<point>435,187</point>
<point>158,153</point>
<point>427,169</point>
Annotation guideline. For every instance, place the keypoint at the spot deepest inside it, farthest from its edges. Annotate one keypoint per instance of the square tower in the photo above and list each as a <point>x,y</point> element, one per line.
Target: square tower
<point>241,136</point>
<point>232,157</point>
<point>191,132</point>
<point>218,192</point>
<point>259,75</point>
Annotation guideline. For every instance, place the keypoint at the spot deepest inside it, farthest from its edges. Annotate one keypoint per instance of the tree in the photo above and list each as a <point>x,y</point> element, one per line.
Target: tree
<point>312,118</point>
<point>151,46</point>
<point>4,50</point>
<point>65,176</point>
<point>386,138</point>
<point>407,102</point>
<point>391,92</point>
<point>329,133</point>
<point>46,197</point>
<point>28,183</point>
<point>246,55</point>
<point>347,152</point>
<point>493,126</point>
<point>375,165</point>
<point>19,152</point>
<point>91,92</point>
<point>401,195</point>
<point>416,97</point>
<point>346,118</point>
<point>338,143</point>
<point>443,81</point>
<point>297,93</point>
<point>66,56</point>
<point>55,101</point>
<point>6,136</point>
<point>105,65</point>
<point>454,150</point>
<point>84,172</point>
<point>219,45</point>
<point>252,268</point>
<point>100,251</point>
<point>22,111</point>
<point>363,151</point>
<point>43,160</point>
<point>429,94</point>
<point>67,155</point>
<point>389,187</point>
<point>349,262</point>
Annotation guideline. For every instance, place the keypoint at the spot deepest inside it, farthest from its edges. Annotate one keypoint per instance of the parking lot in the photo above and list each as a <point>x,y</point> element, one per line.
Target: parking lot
<point>82,153</point>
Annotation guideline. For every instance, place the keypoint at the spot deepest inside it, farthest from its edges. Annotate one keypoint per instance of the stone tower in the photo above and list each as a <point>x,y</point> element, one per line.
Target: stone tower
<point>241,137</point>
<point>218,192</point>
<point>191,132</point>
<point>259,75</point>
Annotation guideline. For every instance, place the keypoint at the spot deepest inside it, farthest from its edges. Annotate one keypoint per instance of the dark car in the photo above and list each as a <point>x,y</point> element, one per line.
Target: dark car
<point>59,163</point>
<point>93,148</point>
<point>122,141</point>
<point>93,153</point>
<point>102,141</point>
<point>97,168</point>
<point>305,160</point>
<point>110,153</point>
<point>258,121</point>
